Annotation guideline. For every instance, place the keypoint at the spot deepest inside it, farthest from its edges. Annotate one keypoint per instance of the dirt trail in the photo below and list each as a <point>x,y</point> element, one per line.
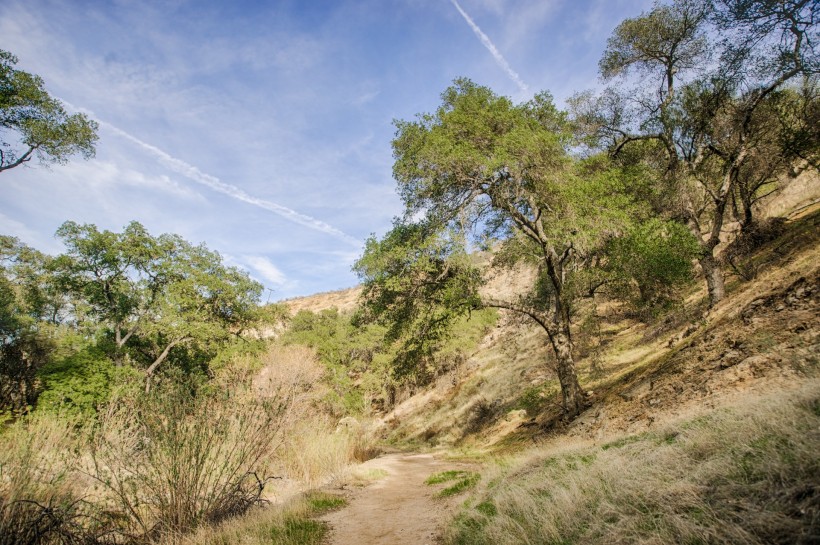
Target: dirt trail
<point>398,509</point>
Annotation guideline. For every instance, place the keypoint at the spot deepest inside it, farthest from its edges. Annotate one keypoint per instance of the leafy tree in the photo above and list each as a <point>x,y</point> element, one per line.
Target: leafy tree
<point>154,295</point>
<point>38,123</point>
<point>201,306</point>
<point>704,73</point>
<point>654,256</point>
<point>420,281</point>
<point>116,277</point>
<point>787,134</point>
<point>25,302</point>
<point>484,167</point>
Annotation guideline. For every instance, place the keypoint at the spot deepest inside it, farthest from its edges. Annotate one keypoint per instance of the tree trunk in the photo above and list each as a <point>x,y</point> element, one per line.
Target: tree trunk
<point>557,329</point>
<point>714,278</point>
<point>153,367</point>
<point>574,398</point>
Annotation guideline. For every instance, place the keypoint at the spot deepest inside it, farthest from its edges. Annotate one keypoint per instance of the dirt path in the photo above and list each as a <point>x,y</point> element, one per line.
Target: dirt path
<point>398,509</point>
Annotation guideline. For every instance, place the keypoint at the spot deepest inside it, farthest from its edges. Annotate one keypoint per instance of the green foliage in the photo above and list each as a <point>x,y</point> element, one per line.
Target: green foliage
<point>445,476</point>
<point>464,480</point>
<point>655,256</point>
<point>417,282</point>
<point>159,297</point>
<point>297,531</point>
<point>356,357</point>
<point>25,342</point>
<point>361,357</point>
<point>40,124</point>
<point>708,80</point>
<point>533,398</point>
<point>322,502</point>
<point>483,169</point>
<point>645,41</point>
<point>83,381</point>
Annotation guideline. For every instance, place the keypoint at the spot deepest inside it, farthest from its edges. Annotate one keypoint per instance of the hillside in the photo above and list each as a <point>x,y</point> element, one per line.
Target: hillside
<point>638,375</point>
<point>735,370</point>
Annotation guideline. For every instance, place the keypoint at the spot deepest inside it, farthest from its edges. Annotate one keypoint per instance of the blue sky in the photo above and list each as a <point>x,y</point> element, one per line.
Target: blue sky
<point>263,128</point>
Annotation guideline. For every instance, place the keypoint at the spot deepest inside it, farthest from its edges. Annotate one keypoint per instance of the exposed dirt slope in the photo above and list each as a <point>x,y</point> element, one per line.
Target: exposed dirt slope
<point>343,300</point>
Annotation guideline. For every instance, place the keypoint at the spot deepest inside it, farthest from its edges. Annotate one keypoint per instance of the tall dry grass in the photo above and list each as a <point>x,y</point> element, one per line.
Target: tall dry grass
<point>41,495</point>
<point>746,475</point>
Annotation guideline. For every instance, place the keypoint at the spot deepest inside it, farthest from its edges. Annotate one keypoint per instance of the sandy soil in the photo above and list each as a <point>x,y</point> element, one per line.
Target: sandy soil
<point>398,509</point>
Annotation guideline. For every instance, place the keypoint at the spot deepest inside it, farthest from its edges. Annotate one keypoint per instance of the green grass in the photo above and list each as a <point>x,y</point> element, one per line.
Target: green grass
<point>291,524</point>
<point>445,476</point>
<point>464,480</point>
<point>298,531</point>
<point>321,502</point>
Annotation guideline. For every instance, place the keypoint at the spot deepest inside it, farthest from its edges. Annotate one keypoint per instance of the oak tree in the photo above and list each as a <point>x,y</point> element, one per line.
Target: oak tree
<point>483,168</point>
<point>701,74</point>
<point>35,124</point>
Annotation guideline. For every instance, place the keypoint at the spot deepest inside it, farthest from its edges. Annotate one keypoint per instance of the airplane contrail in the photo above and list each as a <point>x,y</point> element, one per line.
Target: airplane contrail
<point>194,174</point>
<point>485,40</point>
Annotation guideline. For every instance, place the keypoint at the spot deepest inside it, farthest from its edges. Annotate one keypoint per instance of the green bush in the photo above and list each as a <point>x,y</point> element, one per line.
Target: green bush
<point>82,382</point>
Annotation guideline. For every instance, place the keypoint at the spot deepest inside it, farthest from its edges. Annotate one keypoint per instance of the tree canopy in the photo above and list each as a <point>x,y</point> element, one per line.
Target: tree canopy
<point>34,124</point>
<point>482,170</point>
<point>703,81</point>
<point>159,293</point>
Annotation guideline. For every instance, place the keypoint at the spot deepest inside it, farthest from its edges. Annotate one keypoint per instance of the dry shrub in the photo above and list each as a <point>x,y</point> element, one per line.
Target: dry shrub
<point>314,453</point>
<point>319,450</point>
<point>316,448</point>
<point>750,475</point>
<point>39,496</point>
<point>739,253</point>
<point>186,455</point>
<point>293,368</point>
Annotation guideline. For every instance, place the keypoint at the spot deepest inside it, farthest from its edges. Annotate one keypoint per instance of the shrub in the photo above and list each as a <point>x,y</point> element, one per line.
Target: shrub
<point>187,454</point>
<point>82,382</point>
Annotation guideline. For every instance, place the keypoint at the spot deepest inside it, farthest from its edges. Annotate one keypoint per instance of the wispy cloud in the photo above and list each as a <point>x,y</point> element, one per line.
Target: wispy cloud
<point>485,40</point>
<point>266,269</point>
<point>194,174</point>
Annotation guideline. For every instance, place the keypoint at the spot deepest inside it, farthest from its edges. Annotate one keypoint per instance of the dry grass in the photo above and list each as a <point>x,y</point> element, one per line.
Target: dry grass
<point>744,475</point>
<point>318,452</point>
<point>290,524</point>
<point>40,497</point>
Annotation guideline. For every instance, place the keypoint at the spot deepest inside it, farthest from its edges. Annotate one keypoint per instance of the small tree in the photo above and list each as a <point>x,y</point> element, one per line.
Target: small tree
<point>38,122</point>
<point>202,304</point>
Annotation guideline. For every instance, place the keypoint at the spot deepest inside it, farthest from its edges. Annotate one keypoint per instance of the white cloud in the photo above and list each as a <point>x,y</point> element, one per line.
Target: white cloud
<point>194,174</point>
<point>499,58</point>
<point>27,235</point>
<point>266,269</point>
